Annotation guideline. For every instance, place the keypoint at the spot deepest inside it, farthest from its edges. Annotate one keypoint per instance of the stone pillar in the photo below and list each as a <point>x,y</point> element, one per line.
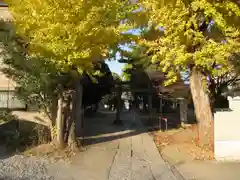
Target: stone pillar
<point>183,108</point>
<point>150,102</point>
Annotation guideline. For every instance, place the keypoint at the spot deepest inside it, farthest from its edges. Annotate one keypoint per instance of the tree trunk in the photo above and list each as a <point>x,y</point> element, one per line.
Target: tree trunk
<point>76,123</point>
<point>72,139</point>
<point>54,109</point>
<point>202,108</point>
<point>59,123</point>
<point>67,117</point>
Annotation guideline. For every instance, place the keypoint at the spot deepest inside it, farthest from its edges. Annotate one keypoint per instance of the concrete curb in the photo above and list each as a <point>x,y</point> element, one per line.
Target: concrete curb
<point>175,171</point>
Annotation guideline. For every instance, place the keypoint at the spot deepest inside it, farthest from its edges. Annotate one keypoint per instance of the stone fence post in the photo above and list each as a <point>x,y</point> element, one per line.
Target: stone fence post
<point>183,108</point>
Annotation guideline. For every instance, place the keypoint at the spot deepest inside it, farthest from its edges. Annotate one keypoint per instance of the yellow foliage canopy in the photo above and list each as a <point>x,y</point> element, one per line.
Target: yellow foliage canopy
<point>71,32</point>
<point>197,33</point>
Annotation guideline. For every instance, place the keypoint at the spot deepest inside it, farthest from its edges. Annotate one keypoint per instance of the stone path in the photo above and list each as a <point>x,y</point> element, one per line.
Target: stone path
<point>137,157</point>
<point>132,156</point>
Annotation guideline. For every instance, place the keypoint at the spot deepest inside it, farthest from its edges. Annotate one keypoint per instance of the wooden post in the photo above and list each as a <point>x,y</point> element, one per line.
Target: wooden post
<point>183,108</point>
<point>161,104</point>
<point>161,112</point>
<point>117,120</point>
<point>80,111</point>
<point>150,102</point>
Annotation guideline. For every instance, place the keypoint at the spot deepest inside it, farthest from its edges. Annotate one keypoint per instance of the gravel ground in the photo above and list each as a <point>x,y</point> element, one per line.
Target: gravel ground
<point>20,167</point>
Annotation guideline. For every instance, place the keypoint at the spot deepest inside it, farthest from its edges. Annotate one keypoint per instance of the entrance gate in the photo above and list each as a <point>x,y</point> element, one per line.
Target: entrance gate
<point>162,110</point>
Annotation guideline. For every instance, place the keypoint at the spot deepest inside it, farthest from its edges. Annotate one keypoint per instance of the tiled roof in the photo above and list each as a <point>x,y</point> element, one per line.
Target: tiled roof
<point>4,13</point>
<point>3,4</point>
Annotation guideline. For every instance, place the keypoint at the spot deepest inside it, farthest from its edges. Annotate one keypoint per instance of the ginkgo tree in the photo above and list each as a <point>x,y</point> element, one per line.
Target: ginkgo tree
<point>72,34</point>
<point>197,35</point>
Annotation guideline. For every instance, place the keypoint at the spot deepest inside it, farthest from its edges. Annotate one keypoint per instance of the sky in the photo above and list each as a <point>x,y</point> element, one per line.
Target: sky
<point>115,66</point>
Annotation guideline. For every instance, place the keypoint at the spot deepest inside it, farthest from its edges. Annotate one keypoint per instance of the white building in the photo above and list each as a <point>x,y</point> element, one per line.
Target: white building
<point>7,86</point>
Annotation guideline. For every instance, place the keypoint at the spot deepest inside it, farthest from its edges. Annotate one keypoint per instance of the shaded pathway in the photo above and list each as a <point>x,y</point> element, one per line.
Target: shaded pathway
<point>137,157</point>
<point>122,152</point>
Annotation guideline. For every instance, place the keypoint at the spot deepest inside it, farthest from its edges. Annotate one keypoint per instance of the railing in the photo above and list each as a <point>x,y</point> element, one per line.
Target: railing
<point>9,100</point>
<point>2,4</point>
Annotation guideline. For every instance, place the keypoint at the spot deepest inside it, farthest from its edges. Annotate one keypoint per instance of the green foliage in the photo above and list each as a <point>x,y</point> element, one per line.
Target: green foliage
<point>6,116</point>
<point>116,77</point>
<point>126,72</point>
<point>138,64</point>
<point>136,60</point>
<point>197,33</point>
<point>38,80</point>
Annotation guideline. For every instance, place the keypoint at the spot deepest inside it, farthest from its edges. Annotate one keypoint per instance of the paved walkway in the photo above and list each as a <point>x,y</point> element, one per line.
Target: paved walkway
<point>121,153</point>
<point>209,170</point>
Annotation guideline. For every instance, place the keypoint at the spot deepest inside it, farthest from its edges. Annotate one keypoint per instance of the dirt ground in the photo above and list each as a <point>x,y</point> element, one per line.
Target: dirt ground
<point>181,145</point>
<point>51,151</point>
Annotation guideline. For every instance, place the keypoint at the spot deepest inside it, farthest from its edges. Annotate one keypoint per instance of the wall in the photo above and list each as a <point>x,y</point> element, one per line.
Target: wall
<point>5,83</point>
<point>227,131</point>
<point>7,86</point>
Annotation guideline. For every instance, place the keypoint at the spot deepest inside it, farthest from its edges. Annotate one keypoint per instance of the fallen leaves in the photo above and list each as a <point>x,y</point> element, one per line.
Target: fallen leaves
<point>185,140</point>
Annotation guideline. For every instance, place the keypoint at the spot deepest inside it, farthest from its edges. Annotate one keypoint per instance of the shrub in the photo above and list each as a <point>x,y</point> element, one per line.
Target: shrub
<point>6,116</point>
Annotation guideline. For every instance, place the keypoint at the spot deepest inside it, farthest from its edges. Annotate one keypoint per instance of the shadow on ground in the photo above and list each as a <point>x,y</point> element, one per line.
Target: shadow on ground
<point>17,136</point>
<point>99,127</point>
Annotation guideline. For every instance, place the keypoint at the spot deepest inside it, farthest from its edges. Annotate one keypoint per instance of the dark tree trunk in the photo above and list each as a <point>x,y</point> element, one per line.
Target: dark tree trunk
<point>202,108</point>
<point>53,110</point>
<point>76,116</point>
<point>212,91</point>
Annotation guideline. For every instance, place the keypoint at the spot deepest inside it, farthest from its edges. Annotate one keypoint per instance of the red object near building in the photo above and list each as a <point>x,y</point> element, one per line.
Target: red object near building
<point>164,119</point>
